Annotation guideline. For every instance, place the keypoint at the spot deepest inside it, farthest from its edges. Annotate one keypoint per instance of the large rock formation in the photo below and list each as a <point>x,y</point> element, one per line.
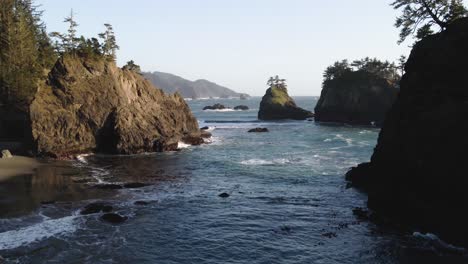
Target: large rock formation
<point>418,174</point>
<point>356,97</point>
<point>92,105</point>
<point>277,104</point>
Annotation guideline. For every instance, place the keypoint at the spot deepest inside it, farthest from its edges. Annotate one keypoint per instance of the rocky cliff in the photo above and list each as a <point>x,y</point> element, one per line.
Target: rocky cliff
<point>92,105</point>
<point>418,172</point>
<point>356,97</point>
<point>277,104</point>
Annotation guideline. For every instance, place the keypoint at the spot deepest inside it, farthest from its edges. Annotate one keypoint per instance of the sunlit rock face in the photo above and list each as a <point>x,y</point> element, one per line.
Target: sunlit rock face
<point>418,172</point>
<point>92,105</point>
<point>277,104</point>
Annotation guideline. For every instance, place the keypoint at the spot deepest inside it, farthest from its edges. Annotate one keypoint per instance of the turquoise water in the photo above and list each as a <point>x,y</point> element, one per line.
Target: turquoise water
<point>288,201</point>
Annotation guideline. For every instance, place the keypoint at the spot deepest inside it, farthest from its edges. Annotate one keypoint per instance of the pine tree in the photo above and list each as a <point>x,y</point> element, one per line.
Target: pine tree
<point>110,46</point>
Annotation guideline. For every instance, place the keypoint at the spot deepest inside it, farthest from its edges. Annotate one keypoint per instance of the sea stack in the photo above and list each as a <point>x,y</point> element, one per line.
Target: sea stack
<point>359,96</point>
<point>89,104</point>
<point>276,104</point>
<point>418,172</point>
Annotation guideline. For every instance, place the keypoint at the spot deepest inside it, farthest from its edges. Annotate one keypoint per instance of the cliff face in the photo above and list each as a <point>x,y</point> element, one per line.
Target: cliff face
<point>92,105</point>
<point>358,97</point>
<point>277,104</point>
<point>418,173</point>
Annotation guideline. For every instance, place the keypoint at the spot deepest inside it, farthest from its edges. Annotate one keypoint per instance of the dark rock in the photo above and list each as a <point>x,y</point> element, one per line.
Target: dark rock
<point>329,235</point>
<point>418,173</point>
<point>215,107</point>
<point>141,203</point>
<point>224,195</point>
<point>356,97</point>
<point>276,105</point>
<point>205,128</point>
<point>206,134</point>
<point>108,186</point>
<point>135,185</point>
<point>114,218</point>
<point>92,105</point>
<point>47,202</point>
<point>241,107</point>
<point>96,208</point>
<point>259,130</point>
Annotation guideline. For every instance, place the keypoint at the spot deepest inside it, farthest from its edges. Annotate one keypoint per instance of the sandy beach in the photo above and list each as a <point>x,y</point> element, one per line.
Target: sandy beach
<point>17,166</point>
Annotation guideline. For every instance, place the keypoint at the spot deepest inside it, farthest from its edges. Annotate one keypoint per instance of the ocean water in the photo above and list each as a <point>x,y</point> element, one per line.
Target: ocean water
<point>288,201</point>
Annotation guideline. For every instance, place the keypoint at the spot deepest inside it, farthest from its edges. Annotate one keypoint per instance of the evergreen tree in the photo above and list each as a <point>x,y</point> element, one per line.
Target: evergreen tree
<point>420,17</point>
<point>131,66</point>
<point>109,46</point>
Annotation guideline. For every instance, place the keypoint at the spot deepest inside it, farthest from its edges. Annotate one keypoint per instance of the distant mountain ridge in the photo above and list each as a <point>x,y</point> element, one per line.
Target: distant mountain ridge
<point>171,83</point>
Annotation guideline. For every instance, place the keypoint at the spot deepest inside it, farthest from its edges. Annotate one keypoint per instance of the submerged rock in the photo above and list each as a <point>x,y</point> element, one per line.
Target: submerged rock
<point>418,172</point>
<point>241,107</point>
<point>6,154</point>
<point>94,208</point>
<point>215,107</point>
<point>259,130</point>
<point>224,195</point>
<point>114,218</point>
<point>135,185</point>
<point>276,105</point>
<point>356,97</point>
<point>91,105</point>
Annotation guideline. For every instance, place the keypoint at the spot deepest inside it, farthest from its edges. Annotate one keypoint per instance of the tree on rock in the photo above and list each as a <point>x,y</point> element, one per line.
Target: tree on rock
<point>419,17</point>
<point>110,46</point>
<point>131,66</point>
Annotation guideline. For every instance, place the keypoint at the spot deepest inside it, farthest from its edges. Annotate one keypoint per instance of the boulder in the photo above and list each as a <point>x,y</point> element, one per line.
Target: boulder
<point>114,218</point>
<point>277,104</point>
<point>90,104</point>
<point>215,107</point>
<point>356,97</point>
<point>6,154</point>
<point>94,208</point>
<point>418,172</point>
<point>241,107</point>
<point>224,195</point>
<point>259,130</point>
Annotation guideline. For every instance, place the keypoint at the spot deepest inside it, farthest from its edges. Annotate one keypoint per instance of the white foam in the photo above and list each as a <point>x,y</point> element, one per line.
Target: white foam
<point>182,145</point>
<point>437,242</point>
<point>256,162</point>
<point>82,158</point>
<point>27,235</point>
<point>221,110</point>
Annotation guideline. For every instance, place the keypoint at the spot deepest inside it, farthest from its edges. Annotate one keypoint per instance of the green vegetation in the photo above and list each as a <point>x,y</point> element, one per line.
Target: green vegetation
<point>279,90</point>
<point>131,66</point>
<point>420,17</point>
<point>384,69</point>
<point>28,52</point>
<point>25,51</point>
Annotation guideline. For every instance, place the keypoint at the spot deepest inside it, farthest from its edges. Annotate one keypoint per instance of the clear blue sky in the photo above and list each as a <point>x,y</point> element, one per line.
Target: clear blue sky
<point>239,43</point>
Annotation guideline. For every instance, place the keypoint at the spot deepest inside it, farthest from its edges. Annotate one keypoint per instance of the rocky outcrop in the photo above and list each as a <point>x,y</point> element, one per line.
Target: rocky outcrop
<point>277,104</point>
<point>356,97</point>
<point>92,105</point>
<point>6,154</point>
<point>418,172</point>
<point>259,130</point>
<point>215,107</point>
<point>241,108</point>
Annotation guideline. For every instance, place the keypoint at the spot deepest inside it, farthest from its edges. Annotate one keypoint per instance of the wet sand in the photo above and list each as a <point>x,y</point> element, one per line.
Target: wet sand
<point>16,166</point>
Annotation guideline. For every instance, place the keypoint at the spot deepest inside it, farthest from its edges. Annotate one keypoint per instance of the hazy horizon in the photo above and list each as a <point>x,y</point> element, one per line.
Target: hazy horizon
<point>239,44</point>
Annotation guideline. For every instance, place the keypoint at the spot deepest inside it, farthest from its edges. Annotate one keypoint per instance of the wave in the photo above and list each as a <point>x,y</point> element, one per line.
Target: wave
<point>182,145</point>
<point>231,121</point>
<point>50,228</point>
<point>261,162</point>
<point>435,241</point>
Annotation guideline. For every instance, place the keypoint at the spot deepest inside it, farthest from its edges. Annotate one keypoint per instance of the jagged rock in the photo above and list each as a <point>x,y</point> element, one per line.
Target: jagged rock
<point>96,208</point>
<point>114,218</point>
<point>6,154</point>
<point>92,105</point>
<point>356,97</point>
<point>241,107</point>
<point>418,172</point>
<point>276,105</point>
<point>259,130</point>
<point>205,128</point>
<point>215,107</point>
<point>224,195</point>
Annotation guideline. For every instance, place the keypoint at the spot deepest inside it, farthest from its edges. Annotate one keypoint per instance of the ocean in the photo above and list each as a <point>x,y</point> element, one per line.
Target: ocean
<point>288,201</point>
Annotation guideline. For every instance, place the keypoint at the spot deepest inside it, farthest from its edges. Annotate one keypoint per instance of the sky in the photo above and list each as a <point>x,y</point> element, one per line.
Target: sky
<point>239,43</point>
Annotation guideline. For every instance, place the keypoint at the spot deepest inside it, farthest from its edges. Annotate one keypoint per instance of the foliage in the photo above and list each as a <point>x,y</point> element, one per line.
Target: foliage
<point>109,46</point>
<point>131,66</point>
<point>421,17</point>
<point>25,51</point>
<point>384,69</point>
<point>276,81</point>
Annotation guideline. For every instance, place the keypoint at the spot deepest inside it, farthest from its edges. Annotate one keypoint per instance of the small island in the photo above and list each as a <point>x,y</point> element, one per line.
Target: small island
<point>277,104</point>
